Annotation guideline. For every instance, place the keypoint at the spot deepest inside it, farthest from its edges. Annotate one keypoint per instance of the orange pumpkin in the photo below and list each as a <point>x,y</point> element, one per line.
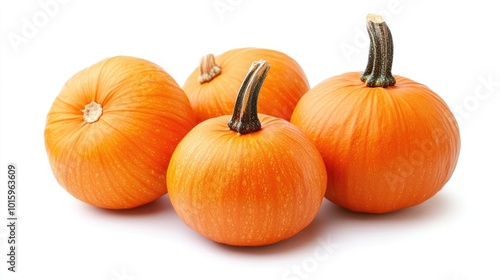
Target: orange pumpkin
<point>212,87</point>
<point>388,142</point>
<point>246,180</point>
<point>112,129</point>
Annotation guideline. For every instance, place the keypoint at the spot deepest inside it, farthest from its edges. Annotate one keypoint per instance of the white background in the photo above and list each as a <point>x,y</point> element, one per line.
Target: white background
<point>452,48</point>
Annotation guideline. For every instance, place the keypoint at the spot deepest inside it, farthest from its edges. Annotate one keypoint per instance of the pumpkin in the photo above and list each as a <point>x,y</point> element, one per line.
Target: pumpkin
<point>248,179</point>
<point>112,129</point>
<point>212,87</point>
<point>388,142</point>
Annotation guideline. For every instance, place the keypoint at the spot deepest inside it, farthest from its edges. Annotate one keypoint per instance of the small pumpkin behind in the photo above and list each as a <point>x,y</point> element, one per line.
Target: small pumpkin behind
<point>248,179</point>
<point>388,142</point>
<point>212,87</point>
<point>110,132</point>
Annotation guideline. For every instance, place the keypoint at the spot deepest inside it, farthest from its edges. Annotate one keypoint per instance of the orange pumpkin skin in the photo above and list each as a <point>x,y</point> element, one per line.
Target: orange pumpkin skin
<point>246,190</point>
<point>119,160</point>
<point>284,85</point>
<point>384,148</point>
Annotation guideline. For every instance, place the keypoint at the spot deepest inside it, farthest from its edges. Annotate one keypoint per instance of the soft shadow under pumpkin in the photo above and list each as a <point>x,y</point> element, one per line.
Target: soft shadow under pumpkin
<point>347,223</point>
<point>339,225</point>
<point>159,206</point>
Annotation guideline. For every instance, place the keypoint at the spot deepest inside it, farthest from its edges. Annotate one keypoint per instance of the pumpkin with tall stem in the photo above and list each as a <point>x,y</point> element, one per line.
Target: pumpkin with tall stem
<point>388,142</point>
<point>248,179</point>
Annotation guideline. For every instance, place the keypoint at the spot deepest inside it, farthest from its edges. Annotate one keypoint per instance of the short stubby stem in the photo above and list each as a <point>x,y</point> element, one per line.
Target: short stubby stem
<point>208,69</point>
<point>245,118</point>
<point>378,69</point>
<point>92,112</point>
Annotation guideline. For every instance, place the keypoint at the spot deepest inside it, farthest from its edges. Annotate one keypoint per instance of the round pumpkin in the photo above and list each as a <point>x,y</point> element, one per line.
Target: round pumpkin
<point>112,129</point>
<point>388,142</point>
<point>248,179</point>
<point>212,87</point>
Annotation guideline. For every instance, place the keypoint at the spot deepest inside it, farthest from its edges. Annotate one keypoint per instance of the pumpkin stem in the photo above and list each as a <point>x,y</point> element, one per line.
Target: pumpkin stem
<point>378,69</point>
<point>245,119</point>
<point>208,69</point>
<point>92,112</point>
